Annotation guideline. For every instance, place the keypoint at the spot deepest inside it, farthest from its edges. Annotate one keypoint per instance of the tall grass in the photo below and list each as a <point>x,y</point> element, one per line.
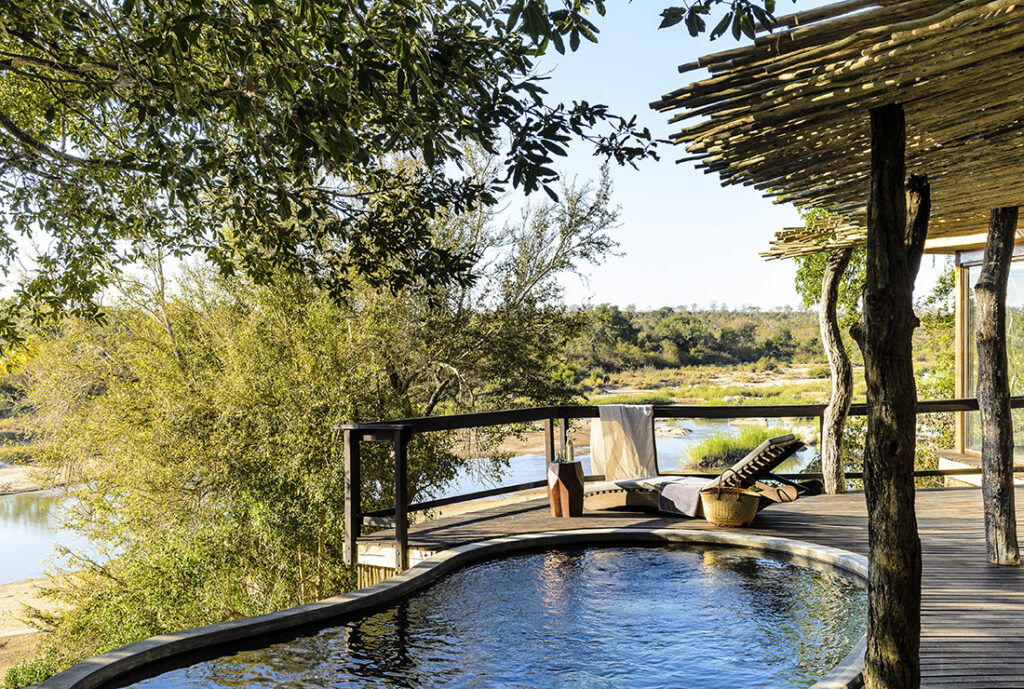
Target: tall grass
<point>654,397</point>
<point>723,450</point>
<point>797,392</point>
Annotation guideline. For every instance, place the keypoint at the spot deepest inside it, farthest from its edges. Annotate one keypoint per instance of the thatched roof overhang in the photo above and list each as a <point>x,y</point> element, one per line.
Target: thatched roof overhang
<point>789,114</point>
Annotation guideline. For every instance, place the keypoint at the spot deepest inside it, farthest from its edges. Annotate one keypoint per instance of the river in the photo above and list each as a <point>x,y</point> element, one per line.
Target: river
<point>29,532</point>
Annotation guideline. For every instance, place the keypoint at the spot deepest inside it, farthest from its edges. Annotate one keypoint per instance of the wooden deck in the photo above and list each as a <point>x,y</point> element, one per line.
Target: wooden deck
<point>972,612</point>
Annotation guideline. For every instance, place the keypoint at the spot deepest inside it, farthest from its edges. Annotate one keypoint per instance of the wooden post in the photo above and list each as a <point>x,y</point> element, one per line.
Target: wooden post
<point>549,440</point>
<point>834,419</point>
<point>894,249</point>
<point>402,499</point>
<point>961,318</point>
<point>994,391</point>
<point>563,426</point>
<point>353,491</point>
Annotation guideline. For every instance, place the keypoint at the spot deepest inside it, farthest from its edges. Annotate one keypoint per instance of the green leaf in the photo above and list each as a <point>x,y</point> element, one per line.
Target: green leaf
<point>672,16</point>
<point>747,25</point>
<point>556,38</point>
<point>722,25</point>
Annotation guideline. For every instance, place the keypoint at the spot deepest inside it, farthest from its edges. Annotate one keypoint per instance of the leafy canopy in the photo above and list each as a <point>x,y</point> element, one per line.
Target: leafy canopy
<point>260,134</point>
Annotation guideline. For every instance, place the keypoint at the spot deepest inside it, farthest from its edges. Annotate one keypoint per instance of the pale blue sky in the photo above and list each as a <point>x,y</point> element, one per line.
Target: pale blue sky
<point>683,238</point>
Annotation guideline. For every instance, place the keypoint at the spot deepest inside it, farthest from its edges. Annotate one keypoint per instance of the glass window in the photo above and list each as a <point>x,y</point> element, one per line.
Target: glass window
<point>1014,355</point>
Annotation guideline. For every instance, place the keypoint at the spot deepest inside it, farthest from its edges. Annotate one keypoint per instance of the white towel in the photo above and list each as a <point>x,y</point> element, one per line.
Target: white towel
<point>622,442</point>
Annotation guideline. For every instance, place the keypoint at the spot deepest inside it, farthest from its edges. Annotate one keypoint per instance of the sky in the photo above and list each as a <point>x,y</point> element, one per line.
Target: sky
<point>683,238</point>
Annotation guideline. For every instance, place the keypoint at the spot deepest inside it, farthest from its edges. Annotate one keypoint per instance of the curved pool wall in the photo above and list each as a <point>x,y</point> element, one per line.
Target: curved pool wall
<point>168,651</point>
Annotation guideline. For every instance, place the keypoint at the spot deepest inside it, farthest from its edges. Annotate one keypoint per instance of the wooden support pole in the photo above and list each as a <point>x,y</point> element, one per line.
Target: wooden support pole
<point>894,249</point>
<point>401,445</point>
<point>833,421</point>
<point>961,319</point>
<point>549,440</point>
<point>353,492</point>
<point>994,391</point>
<point>563,428</point>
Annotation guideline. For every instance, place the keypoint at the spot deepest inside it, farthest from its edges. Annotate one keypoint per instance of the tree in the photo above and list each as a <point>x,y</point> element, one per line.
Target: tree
<point>259,134</point>
<point>898,214</point>
<point>204,416</point>
<point>994,390</point>
<point>834,281</point>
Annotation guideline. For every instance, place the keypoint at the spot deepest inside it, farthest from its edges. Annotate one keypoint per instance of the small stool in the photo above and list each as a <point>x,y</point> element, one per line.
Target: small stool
<point>565,488</point>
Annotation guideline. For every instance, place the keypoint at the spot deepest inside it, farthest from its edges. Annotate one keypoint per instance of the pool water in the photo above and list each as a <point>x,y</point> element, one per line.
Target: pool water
<point>630,617</point>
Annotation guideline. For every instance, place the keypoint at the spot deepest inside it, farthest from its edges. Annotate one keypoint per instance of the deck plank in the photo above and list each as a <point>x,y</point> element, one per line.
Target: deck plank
<point>972,617</point>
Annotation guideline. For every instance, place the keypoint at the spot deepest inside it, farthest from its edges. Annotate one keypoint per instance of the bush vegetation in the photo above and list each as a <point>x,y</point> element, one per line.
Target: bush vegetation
<point>18,454</point>
<point>723,450</point>
<point>615,340</point>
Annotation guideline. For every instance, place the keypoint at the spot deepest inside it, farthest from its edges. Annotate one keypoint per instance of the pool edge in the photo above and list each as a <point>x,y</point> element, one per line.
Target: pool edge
<point>105,669</point>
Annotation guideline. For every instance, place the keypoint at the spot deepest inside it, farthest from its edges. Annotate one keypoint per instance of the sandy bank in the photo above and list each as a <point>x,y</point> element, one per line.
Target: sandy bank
<point>18,639</point>
<point>17,478</point>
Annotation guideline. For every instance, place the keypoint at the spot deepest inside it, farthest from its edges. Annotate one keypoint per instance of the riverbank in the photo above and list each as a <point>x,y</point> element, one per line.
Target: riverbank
<point>18,478</point>
<point>18,639</point>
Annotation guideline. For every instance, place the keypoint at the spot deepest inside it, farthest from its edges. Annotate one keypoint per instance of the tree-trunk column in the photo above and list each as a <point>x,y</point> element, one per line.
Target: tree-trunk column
<point>994,391</point>
<point>834,417</point>
<point>894,251</point>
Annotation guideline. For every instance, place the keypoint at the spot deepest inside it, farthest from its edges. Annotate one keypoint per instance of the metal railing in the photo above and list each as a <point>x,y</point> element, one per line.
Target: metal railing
<point>399,433</point>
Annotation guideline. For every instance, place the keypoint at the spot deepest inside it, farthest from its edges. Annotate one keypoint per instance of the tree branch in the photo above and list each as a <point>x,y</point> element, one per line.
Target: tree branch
<point>39,147</point>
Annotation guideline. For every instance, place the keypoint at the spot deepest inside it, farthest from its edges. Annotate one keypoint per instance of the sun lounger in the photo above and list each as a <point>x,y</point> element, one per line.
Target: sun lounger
<point>681,494</point>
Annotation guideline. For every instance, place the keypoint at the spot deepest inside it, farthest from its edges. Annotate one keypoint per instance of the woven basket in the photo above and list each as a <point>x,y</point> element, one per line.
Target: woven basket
<point>728,506</point>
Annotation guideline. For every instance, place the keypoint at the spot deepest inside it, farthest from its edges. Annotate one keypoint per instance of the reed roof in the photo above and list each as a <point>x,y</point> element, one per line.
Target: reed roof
<point>789,113</point>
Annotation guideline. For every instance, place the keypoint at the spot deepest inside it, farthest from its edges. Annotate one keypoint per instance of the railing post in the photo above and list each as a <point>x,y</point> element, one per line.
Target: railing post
<point>549,440</point>
<point>353,506</point>
<point>563,425</point>
<point>402,499</point>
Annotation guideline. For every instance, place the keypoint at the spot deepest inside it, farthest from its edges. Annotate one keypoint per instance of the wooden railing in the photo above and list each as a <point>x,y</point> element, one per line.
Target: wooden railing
<point>399,433</point>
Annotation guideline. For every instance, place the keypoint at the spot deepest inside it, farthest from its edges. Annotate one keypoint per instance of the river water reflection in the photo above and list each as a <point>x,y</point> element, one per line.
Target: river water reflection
<point>29,531</point>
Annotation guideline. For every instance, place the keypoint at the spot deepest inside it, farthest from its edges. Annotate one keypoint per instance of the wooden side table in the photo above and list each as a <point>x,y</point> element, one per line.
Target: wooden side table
<point>565,488</point>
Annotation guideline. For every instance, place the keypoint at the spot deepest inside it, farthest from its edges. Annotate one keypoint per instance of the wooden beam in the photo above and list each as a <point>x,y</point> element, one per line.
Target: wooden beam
<point>994,391</point>
<point>353,492</point>
<point>960,373</point>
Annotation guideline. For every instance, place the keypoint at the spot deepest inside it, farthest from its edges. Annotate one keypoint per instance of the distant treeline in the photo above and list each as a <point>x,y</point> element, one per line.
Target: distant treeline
<point>614,339</point>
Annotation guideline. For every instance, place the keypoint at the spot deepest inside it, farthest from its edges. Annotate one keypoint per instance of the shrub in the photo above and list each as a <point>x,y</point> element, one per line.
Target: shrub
<point>17,454</point>
<point>30,672</point>
<point>818,372</point>
<point>722,450</point>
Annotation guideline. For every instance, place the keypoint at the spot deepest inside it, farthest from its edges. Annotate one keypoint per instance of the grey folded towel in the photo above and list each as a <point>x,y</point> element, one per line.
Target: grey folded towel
<point>682,496</point>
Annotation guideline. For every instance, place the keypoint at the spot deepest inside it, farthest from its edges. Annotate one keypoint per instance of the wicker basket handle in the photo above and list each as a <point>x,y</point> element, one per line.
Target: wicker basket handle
<point>721,483</point>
